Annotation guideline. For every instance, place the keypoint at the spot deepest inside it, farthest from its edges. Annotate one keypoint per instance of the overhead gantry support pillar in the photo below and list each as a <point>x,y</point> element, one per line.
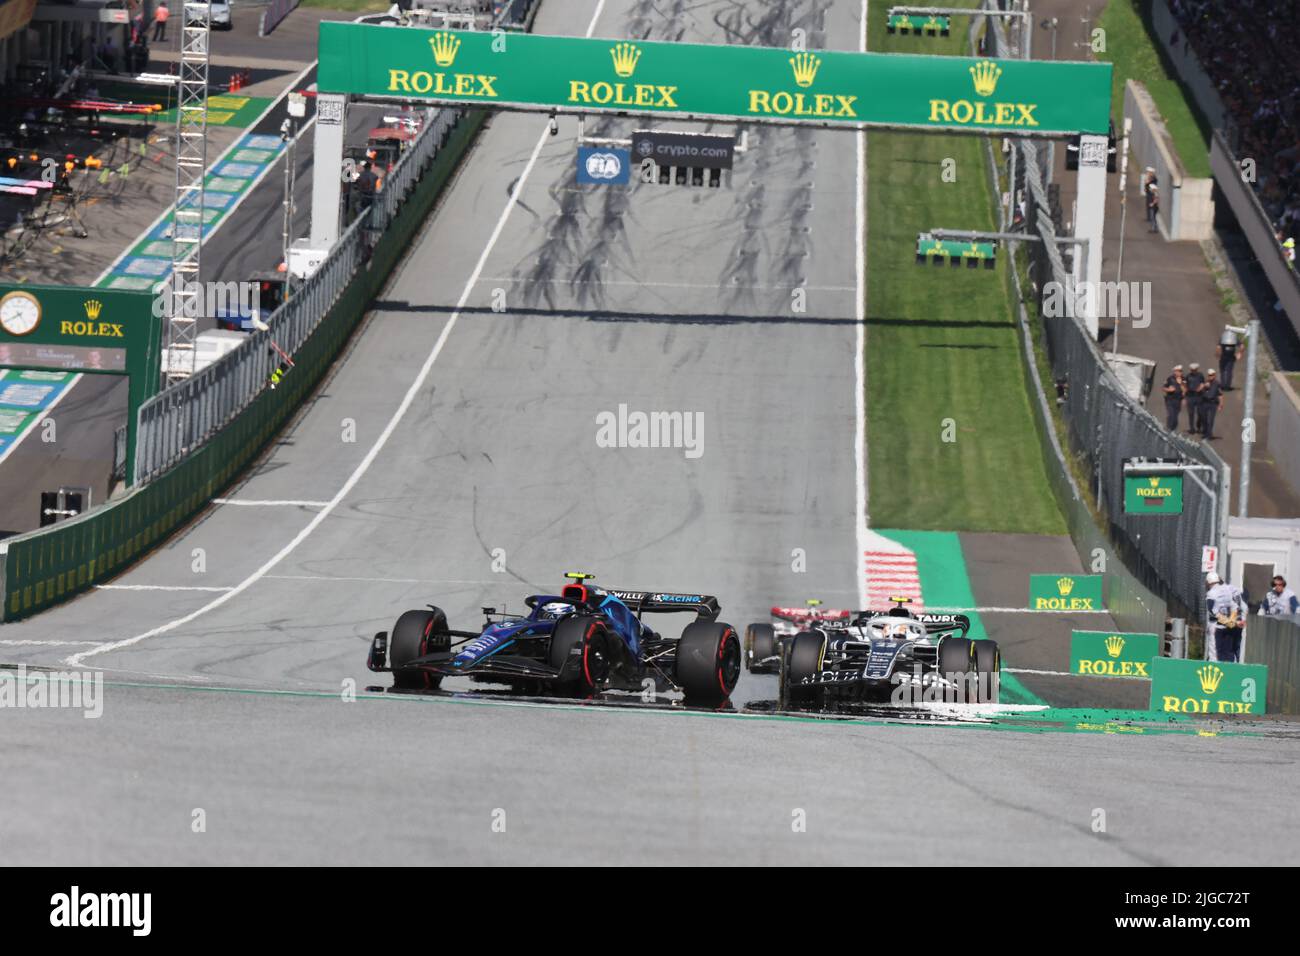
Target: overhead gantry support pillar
<point>1090,224</point>
<point>327,177</point>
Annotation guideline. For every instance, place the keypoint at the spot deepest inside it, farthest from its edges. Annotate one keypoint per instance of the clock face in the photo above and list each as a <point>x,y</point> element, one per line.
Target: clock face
<point>20,313</point>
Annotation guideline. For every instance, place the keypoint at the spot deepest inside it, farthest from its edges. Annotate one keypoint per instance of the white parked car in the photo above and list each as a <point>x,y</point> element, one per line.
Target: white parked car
<point>219,14</point>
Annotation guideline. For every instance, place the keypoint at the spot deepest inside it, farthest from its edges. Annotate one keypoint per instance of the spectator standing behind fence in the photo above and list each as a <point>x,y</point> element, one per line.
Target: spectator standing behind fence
<point>1174,388</point>
<point>1229,351</point>
<point>1211,403</point>
<point>160,16</point>
<point>1226,612</point>
<point>1195,383</point>
<point>1280,599</point>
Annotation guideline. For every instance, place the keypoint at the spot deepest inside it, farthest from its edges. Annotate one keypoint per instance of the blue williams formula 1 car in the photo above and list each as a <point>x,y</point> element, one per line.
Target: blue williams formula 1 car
<point>573,644</point>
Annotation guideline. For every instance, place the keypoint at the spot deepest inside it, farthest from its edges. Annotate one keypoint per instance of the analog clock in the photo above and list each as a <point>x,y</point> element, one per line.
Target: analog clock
<point>20,313</point>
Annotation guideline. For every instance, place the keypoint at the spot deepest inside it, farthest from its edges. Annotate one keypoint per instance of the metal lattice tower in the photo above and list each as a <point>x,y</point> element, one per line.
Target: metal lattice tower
<point>187,213</point>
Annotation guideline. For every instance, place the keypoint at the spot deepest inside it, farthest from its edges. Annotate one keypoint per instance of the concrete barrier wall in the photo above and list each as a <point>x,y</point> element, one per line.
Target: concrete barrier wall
<point>1275,641</point>
<point>1186,204</point>
<point>1255,224</point>
<point>43,568</point>
<point>1284,428</point>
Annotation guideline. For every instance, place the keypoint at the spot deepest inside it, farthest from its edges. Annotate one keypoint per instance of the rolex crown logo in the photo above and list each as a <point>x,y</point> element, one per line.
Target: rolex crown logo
<point>805,66</point>
<point>445,47</point>
<point>1114,645</point>
<point>1210,677</point>
<point>985,73</point>
<point>1065,586</point>
<point>626,56</point>
<point>1155,482</point>
<point>93,307</point>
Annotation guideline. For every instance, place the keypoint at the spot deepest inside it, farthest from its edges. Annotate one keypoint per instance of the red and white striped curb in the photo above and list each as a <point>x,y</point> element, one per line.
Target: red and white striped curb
<point>891,574</point>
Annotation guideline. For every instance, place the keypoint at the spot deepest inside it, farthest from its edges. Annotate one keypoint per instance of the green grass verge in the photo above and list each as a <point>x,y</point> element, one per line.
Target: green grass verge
<point>942,344</point>
<point>1135,55</point>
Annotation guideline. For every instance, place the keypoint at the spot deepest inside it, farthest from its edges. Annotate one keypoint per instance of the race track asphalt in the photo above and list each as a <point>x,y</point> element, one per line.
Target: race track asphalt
<point>490,484</point>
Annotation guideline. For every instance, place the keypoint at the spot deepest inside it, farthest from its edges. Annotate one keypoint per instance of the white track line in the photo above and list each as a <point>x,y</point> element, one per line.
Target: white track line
<point>327,577</point>
<point>859,357</point>
<point>47,643</point>
<point>157,587</point>
<point>423,375</point>
<point>246,503</point>
<point>1024,670</point>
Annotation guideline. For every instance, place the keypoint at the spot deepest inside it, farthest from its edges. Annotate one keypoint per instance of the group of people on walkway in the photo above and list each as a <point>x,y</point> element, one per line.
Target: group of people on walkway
<point>1201,392</point>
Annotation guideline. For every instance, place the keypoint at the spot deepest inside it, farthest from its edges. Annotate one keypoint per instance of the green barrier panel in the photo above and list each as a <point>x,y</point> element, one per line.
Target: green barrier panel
<point>1112,653</point>
<point>1207,687</point>
<point>1065,592</point>
<point>46,567</point>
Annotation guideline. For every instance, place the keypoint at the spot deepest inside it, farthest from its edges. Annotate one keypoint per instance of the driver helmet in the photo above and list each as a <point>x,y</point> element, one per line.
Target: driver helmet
<point>555,610</point>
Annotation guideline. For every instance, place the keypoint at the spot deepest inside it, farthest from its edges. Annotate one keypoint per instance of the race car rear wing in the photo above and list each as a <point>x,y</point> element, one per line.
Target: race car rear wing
<point>657,602</point>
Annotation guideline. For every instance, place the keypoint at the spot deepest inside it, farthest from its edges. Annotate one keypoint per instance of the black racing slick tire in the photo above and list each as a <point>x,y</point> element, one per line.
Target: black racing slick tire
<point>957,664</point>
<point>988,667</point>
<point>760,644</point>
<point>708,662</point>
<point>580,652</point>
<point>802,659</point>
<point>415,634</point>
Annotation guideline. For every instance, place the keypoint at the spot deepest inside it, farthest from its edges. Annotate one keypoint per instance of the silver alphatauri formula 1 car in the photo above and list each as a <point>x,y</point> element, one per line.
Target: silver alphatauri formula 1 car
<point>764,642</point>
<point>891,656</point>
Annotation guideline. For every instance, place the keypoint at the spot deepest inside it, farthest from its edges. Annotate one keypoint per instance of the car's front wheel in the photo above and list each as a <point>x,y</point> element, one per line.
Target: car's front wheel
<point>580,652</point>
<point>760,644</point>
<point>415,634</point>
<point>801,663</point>
<point>957,665</point>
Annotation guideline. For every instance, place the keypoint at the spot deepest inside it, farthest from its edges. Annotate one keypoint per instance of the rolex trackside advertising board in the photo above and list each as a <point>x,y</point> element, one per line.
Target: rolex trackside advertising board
<point>575,74</point>
<point>1109,654</point>
<point>1065,592</point>
<point>1207,687</point>
<point>1153,494</point>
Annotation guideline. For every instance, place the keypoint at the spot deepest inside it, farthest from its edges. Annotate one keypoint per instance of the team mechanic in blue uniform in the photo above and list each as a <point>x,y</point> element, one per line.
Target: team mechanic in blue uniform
<point>1227,613</point>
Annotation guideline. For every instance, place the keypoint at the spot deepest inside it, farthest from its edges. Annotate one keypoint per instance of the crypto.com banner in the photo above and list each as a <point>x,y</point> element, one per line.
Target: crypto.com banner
<point>573,74</point>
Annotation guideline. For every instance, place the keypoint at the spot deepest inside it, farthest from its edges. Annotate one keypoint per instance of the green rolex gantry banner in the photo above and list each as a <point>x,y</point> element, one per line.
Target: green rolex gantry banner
<point>574,74</point>
<point>1111,654</point>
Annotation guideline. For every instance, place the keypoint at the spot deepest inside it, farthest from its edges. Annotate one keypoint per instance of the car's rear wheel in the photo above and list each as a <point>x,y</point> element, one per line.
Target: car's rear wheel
<point>580,651</point>
<point>708,662</point>
<point>802,660</point>
<point>415,634</point>
<point>760,644</point>
<point>957,664</point>
<point>988,667</point>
